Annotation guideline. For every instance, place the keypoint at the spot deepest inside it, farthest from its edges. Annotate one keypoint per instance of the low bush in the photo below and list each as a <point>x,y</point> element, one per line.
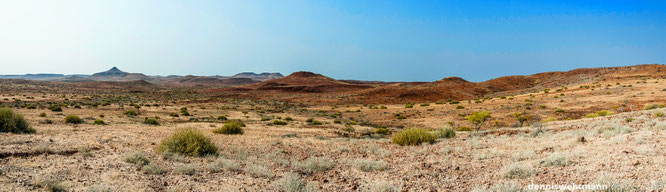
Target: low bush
<point>413,136</point>
<point>604,113</point>
<point>151,121</point>
<point>189,169</point>
<point>516,171</point>
<point>224,164</point>
<point>153,169</point>
<point>446,132</point>
<point>463,128</point>
<point>259,170</point>
<point>291,182</point>
<point>13,122</point>
<point>188,142</point>
<point>382,131</point>
<point>73,119</point>
<point>369,165</point>
<point>99,122</point>
<point>222,118</point>
<point>557,159</point>
<point>659,114</point>
<point>55,108</point>
<point>279,122</point>
<point>313,164</point>
<point>230,128</point>
<point>653,106</point>
<point>288,119</point>
<point>130,113</point>
<point>42,115</point>
<point>136,158</point>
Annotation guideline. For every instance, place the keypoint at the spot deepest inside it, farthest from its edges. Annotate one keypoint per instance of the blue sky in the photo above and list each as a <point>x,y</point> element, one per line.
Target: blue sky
<point>365,40</point>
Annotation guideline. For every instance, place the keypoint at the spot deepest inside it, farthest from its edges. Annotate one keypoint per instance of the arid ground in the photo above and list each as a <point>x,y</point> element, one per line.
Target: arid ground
<point>308,132</point>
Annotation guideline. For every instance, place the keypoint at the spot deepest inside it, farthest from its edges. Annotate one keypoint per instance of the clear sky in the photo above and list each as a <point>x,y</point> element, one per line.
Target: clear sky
<point>365,40</point>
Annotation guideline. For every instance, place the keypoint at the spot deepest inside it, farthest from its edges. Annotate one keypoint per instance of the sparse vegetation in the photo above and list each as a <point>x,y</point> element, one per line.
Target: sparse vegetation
<point>230,128</point>
<point>413,136</point>
<point>446,132</point>
<point>55,108</point>
<point>99,122</point>
<point>279,122</point>
<point>137,158</point>
<point>151,121</point>
<point>314,164</point>
<point>369,165</point>
<point>478,118</point>
<point>131,113</point>
<point>73,119</point>
<point>13,122</point>
<point>516,171</point>
<point>188,142</point>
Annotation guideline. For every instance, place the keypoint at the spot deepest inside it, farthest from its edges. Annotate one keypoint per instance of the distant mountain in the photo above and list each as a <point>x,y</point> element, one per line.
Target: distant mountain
<point>304,81</point>
<point>115,74</point>
<point>208,81</point>
<point>43,77</point>
<point>259,77</point>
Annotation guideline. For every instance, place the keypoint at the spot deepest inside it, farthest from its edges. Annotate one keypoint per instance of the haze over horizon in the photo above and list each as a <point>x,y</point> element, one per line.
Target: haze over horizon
<point>369,40</point>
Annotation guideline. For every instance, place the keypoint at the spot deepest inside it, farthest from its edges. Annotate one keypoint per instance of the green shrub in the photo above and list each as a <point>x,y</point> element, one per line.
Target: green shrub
<point>549,119</point>
<point>446,132</point>
<point>288,119</point>
<point>188,142</point>
<point>42,115</point>
<point>401,117</point>
<point>222,118</point>
<point>659,114</point>
<point>99,122</point>
<point>382,131</point>
<point>629,120</point>
<point>591,115</point>
<point>653,106</point>
<point>413,136</point>
<point>173,114</point>
<point>409,105</point>
<point>310,120</point>
<point>13,122</point>
<point>460,107</point>
<point>130,113</point>
<point>73,119</point>
<point>230,128</point>
<point>463,128</point>
<point>151,121</point>
<point>55,108</point>
<point>604,113</point>
<point>278,122</point>
<point>559,110</point>
<point>454,102</point>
